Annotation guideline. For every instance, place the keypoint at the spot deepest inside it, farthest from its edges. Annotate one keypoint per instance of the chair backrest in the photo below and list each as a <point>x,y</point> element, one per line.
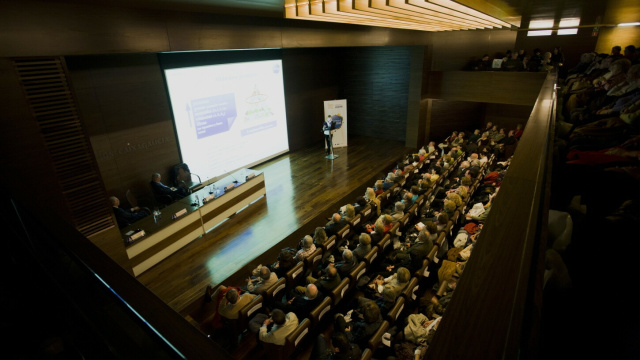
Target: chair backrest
<point>248,311</point>
<point>396,310</point>
<point>423,271</point>
<point>313,260</point>
<point>413,210</point>
<point>337,294</point>
<point>454,218</point>
<point>357,272</point>
<point>342,234</point>
<point>376,338</point>
<point>367,354</point>
<point>441,239</point>
<point>409,292</point>
<point>293,276</point>
<point>276,291</point>
<point>131,199</point>
<point>395,230</point>
<point>370,257</point>
<point>383,245</point>
<point>405,220</point>
<point>316,315</point>
<point>329,244</point>
<point>353,224</point>
<point>295,339</point>
<point>284,352</point>
<point>367,212</point>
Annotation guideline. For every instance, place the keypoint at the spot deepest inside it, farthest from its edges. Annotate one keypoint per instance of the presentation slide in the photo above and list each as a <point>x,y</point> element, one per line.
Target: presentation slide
<point>228,116</point>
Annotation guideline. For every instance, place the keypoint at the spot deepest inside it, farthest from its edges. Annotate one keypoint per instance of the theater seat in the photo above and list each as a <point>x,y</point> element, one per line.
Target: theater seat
<point>342,234</point>
<point>337,294</point>
<point>276,291</point>
<point>367,212</point>
<point>293,276</point>
<point>316,315</point>
<point>370,257</point>
<point>367,354</point>
<point>383,245</point>
<point>329,245</point>
<point>376,339</point>
<point>409,292</point>
<point>357,273</point>
<point>312,261</point>
<point>396,310</point>
<point>292,343</point>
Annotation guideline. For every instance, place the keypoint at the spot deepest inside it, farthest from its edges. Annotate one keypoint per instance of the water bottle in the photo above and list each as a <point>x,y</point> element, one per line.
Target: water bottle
<point>197,200</point>
<point>215,190</point>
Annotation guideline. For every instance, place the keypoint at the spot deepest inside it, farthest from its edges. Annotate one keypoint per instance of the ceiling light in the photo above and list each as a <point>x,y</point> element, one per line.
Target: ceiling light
<point>569,22</point>
<point>539,33</point>
<point>540,24</point>
<point>629,24</point>
<point>572,31</point>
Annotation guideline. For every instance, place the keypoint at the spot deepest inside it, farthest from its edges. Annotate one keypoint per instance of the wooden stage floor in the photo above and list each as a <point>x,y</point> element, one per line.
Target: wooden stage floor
<point>300,186</point>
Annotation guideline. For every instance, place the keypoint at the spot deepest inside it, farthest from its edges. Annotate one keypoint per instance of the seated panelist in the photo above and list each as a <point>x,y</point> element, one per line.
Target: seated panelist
<point>159,188</point>
<point>126,217</point>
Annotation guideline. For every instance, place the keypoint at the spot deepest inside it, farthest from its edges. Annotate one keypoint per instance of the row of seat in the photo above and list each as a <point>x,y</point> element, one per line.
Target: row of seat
<point>295,275</point>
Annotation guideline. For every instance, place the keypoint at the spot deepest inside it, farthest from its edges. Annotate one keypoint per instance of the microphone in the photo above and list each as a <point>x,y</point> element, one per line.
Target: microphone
<point>234,178</point>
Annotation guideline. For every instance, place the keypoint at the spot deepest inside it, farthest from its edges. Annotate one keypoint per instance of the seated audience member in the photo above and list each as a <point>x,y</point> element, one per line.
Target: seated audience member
<point>484,143</point>
<point>484,64</point>
<point>261,283</point>
<point>339,348</point>
<point>306,247</point>
<point>513,63</point>
<point>389,181</point>
<point>158,188</point>
<point>326,283</point>
<point>475,136</point>
<point>283,325</point>
<point>319,236</point>
<point>360,204</point>
<point>363,248</point>
<point>378,187</point>
<point>284,263</point>
<point>300,304</point>
<point>365,320</point>
<point>126,217</point>
<point>333,226</point>
<point>408,199</point>
<point>441,221</point>
<point>415,253</point>
<point>371,198</point>
<point>398,211</point>
<point>396,282</point>
<point>349,213</point>
<point>232,302</point>
<point>347,264</point>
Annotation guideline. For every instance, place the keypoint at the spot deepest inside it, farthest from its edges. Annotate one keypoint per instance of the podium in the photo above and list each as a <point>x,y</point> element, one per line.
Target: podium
<point>332,155</point>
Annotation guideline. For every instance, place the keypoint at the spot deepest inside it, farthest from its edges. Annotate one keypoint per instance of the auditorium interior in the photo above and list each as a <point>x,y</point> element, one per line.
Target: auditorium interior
<point>86,115</point>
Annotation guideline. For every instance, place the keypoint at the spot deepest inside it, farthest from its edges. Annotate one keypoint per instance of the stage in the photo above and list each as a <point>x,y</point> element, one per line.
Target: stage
<point>302,189</point>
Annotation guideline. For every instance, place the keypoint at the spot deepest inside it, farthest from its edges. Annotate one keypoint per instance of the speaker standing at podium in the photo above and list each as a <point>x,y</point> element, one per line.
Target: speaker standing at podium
<point>327,127</point>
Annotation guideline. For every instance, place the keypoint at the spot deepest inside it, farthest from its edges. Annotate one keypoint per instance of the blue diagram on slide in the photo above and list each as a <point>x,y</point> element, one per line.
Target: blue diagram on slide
<point>214,115</point>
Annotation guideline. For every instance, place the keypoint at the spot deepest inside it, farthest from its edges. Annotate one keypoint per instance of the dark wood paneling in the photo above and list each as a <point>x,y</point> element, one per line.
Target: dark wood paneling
<point>26,163</point>
<point>518,88</point>
<point>454,50</point>
<point>125,107</point>
<point>507,116</point>
<point>375,82</point>
<point>449,116</point>
<point>311,76</point>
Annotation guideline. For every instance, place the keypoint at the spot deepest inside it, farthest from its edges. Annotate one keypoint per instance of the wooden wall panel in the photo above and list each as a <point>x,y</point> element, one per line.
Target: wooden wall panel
<point>518,88</point>
<point>449,116</point>
<point>622,36</point>
<point>507,116</point>
<point>454,50</point>
<point>125,108</point>
<point>375,82</point>
<point>26,163</point>
<point>311,76</point>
